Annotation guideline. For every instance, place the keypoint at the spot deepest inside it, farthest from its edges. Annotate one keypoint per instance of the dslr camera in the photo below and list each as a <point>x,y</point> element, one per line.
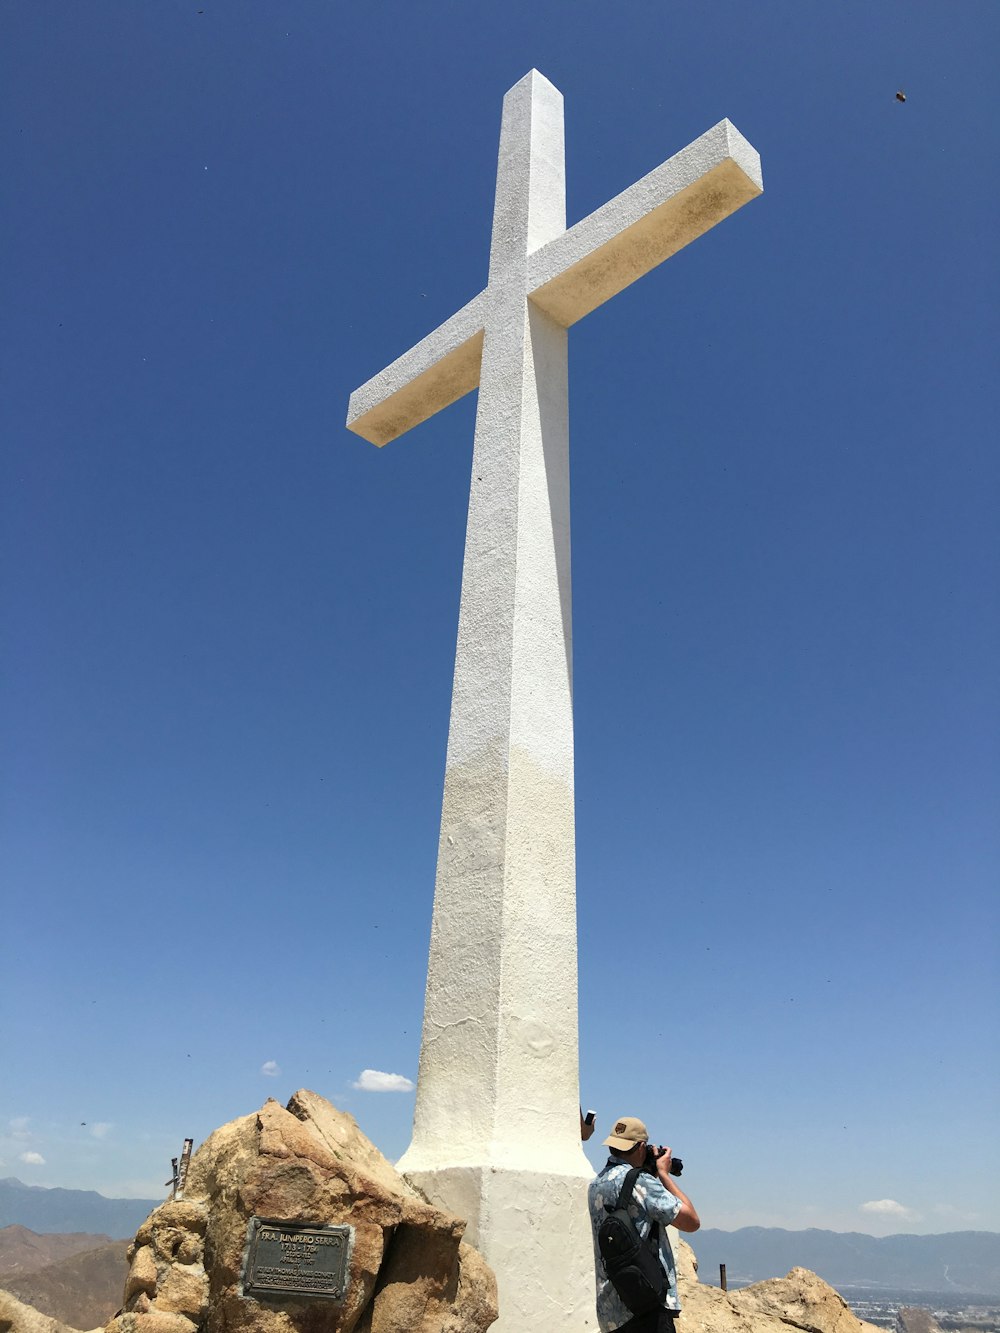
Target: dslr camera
<point>652,1154</point>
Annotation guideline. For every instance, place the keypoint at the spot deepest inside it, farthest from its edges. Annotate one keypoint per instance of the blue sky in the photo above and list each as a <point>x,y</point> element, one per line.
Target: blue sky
<point>230,624</point>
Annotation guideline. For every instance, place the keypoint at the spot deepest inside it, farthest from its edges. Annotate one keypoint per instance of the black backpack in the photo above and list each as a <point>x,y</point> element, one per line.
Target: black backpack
<point>631,1263</point>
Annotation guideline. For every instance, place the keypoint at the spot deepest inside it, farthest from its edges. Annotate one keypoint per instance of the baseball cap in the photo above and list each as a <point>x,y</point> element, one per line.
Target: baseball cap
<point>628,1131</point>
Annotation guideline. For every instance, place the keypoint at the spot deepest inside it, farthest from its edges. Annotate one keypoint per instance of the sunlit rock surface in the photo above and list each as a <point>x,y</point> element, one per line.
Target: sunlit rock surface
<point>309,1163</point>
<point>781,1305</point>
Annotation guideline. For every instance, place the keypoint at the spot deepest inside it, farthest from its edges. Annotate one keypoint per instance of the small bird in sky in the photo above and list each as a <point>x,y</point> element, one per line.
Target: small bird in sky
<point>901,96</point>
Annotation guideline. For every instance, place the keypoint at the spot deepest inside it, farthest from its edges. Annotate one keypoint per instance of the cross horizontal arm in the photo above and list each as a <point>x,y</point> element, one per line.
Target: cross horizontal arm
<point>440,369</point>
<point>646,224</point>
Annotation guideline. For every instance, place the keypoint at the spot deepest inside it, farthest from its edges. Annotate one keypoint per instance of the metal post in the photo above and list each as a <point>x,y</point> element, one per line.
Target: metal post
<point>182,1174</point>
<point>722,1276</point>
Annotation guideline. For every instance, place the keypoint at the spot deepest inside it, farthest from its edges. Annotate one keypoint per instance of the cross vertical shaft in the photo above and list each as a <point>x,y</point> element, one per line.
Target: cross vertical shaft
<point>498,1087</point>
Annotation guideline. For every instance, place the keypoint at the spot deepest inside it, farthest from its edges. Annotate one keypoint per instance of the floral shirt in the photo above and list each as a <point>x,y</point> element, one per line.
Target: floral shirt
<point>651,1202</point>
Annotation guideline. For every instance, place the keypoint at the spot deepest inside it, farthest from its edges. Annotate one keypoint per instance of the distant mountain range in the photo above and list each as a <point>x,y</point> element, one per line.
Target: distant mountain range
<point>46,1210</point>
<point>958,1261</point>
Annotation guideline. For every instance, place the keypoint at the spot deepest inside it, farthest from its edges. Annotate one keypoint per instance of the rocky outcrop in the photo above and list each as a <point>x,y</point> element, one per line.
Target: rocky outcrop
<point>911,1319</point>
<point>309,1163</point>
<point>16,1317</point>
<point>781,1305</point>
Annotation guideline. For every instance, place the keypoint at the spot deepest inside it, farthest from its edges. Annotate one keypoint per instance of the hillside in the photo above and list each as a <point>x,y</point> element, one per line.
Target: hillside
<point>48,1210</point>
<point>958,1261</point>
<point>83,1290</point>
<point>23,1251</point>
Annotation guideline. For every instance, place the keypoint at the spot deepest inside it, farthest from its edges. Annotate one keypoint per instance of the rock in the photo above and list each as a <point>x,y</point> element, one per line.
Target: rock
<point>411,1294</point>
<point>18,1318</point>
<point>155,1321</point>
<point>799,1301</point>
<point>141,1274</point>
<point>409,1268</point>
<point>911,1319</point>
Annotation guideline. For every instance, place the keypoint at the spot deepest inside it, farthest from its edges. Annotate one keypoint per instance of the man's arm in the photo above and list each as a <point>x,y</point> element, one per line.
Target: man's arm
<point>686,1219</point>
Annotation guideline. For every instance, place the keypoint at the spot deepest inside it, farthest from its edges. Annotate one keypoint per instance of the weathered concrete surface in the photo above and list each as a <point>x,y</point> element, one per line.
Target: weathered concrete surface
<point>646,224</point>
<point>496,1126</point>
<point>570,275</point>
<point>409,1267</point>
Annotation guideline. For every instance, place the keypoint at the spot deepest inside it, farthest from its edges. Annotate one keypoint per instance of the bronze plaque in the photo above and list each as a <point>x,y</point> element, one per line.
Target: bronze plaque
<point>296,1261</point>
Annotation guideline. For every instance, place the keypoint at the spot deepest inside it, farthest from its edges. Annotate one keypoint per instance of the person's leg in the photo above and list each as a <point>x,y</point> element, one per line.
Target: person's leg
<point>647,1323</point>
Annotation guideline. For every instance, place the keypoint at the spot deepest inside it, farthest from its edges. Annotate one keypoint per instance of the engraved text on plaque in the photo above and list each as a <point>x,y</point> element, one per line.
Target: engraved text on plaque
<point>296,1260</point>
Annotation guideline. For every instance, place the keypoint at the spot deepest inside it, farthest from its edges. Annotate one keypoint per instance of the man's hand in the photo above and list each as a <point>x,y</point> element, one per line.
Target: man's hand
<point>663,1163</point>
<point>687,1218</point>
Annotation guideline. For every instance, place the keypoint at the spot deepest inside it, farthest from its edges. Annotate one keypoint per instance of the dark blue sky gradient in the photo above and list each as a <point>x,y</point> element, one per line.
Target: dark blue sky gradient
<point>231,624</point>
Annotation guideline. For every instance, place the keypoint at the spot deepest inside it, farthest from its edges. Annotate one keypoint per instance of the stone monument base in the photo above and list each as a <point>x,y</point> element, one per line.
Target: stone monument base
<point>533,1229</point>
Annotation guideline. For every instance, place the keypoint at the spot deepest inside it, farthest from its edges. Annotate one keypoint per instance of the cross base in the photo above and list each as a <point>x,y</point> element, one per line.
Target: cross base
<point>533,1229</point>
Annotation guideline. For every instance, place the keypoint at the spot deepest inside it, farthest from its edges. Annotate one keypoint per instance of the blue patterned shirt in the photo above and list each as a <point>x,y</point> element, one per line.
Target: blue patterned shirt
<point>651,1202</point>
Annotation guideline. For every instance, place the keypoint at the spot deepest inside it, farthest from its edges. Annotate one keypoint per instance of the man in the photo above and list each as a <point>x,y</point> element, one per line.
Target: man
<point>654,1199</point>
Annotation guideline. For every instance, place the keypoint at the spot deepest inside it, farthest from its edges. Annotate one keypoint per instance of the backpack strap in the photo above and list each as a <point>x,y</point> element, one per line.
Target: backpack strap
<point>628,1185</point>
<point>625,1198</point>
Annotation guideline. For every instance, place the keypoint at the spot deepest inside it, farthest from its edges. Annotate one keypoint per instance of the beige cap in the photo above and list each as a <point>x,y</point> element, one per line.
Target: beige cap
<point>628,1131</point>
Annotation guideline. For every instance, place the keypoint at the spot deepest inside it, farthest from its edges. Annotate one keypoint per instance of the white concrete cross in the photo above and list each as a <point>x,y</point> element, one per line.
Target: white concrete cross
<point>496,1129</point>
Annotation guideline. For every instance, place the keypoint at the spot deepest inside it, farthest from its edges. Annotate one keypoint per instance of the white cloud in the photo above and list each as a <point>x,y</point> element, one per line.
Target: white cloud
<point>887,1208</point>
<point>19,1127</point>
<point>32,1158</point>
<point>101,1129</point>
<point>270,1069</point>
<point>373,1080</point>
